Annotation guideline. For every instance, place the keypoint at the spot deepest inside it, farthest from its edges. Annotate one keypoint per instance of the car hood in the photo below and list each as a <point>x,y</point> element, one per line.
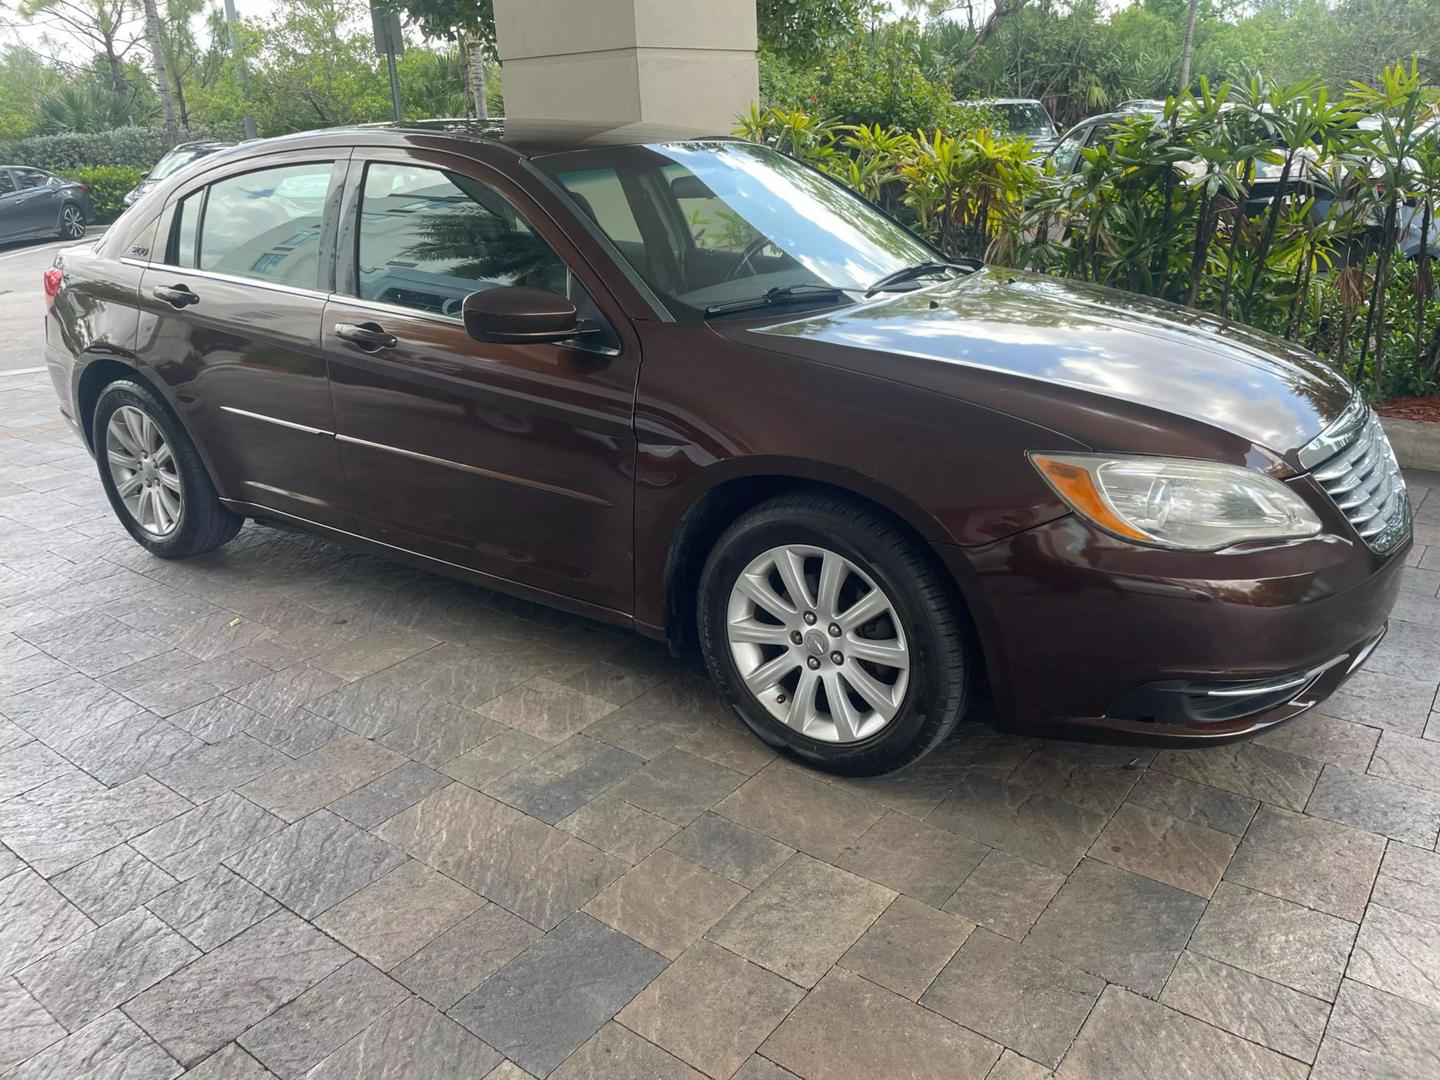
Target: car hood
<point>1068,343</point>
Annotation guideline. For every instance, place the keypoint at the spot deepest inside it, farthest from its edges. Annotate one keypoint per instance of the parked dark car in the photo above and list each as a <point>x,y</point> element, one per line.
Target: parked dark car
<point>1411,238</point>
<point>171,163</point>
<point>1020,116</point>
<point>696,388</point>
<point>35,203</point>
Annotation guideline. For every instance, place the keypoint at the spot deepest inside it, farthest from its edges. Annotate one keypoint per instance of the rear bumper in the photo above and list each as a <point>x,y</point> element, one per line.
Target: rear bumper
<point>1088,637</point>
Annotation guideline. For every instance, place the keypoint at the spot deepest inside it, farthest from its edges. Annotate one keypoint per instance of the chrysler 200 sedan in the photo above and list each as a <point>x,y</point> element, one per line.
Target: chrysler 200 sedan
<point>696,388</point>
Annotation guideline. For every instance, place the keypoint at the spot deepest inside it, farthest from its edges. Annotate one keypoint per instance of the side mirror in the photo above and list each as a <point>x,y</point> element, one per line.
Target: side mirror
<point>520,315</point>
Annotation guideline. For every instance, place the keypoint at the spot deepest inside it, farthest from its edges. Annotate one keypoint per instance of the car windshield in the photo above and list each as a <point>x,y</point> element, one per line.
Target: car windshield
<point>176,160</point>
<point>711,223</point>
<point>1027,118</point>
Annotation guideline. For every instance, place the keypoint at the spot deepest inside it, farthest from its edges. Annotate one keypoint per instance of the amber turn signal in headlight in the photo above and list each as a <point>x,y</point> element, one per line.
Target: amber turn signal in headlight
<point>1177,502</point>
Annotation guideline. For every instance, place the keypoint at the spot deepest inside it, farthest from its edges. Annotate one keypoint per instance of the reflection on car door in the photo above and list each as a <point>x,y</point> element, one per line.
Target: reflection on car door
<point>230,320</point>
<point>515,461</point>
<point>11,212</point>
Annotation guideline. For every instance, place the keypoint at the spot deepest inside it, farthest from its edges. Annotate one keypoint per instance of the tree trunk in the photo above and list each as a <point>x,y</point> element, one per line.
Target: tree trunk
<point>162,78</point>
<point>476,74</point>
<point>1003,10</point>
<point>1187,51</point>
<point>1424,282</point>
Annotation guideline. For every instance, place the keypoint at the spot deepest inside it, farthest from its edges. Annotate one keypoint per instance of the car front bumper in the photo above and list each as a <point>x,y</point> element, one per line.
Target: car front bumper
<point>1088,637</point>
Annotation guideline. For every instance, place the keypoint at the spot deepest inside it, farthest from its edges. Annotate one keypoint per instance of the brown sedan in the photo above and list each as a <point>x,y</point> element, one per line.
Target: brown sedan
<point>696,388</point>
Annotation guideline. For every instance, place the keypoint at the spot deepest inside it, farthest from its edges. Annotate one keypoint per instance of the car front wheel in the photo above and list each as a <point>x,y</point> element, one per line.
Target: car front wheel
<point>834,635</point>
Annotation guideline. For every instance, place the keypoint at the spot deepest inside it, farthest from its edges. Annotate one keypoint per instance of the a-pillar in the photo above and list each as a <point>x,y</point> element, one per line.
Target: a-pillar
<point>678,63</point>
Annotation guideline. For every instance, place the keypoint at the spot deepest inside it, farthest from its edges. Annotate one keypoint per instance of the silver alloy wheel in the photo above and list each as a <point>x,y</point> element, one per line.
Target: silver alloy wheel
<point>72,222</point>
<point>143,467</point>
<point>818,643</point>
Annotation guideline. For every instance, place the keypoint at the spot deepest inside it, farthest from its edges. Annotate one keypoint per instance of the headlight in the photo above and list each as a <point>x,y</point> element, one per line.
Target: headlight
<point>1177,502</point>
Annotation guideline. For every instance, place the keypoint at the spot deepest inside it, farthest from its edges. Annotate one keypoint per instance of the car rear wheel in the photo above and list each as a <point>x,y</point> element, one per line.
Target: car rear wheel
<point>834,635</point>
<point>153,475</point>
<point>72,221</point>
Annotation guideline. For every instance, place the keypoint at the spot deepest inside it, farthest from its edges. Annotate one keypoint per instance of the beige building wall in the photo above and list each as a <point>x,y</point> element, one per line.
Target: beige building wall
<point>682,63</point>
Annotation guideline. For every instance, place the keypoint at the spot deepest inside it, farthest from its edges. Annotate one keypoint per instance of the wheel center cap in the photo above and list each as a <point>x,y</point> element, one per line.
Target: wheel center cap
<point>816,643</point>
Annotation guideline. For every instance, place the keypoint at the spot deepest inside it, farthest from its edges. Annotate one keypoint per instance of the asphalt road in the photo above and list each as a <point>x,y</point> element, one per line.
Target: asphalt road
<point>22,301</point>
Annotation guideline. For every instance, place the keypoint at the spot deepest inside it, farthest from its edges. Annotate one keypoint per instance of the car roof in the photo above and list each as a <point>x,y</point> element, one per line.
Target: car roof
<point>525,138</point>
<point>998,101</point>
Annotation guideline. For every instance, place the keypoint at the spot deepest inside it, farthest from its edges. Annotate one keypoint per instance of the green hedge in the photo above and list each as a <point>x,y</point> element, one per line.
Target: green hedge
<point>131,147</point>
<point>108,185</point>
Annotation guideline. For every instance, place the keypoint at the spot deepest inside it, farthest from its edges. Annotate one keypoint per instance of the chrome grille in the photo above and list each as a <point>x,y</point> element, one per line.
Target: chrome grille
<point>1363,478</point>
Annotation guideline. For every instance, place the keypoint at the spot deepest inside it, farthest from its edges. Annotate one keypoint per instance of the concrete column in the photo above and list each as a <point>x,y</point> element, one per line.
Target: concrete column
<point>682,63</point>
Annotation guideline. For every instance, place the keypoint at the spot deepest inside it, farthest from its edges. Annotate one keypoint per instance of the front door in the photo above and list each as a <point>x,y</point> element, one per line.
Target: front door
<point>13,225</point>
<point>515,461</point>
<point>230,322</point>
<point>38,201</point>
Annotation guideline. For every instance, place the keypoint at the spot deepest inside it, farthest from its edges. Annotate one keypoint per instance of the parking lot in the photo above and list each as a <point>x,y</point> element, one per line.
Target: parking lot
<point>288,810</point>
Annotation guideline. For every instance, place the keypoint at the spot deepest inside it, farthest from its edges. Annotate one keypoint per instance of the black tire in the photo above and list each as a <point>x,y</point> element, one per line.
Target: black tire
<point>204,523</point>
<point>942,668</point>
<point>72,222</point>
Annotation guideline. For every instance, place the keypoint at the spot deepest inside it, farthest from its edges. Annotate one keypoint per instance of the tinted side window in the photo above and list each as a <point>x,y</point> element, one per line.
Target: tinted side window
<point>598,193</point>
<point>29,178</point>
<point>1063,156</point>
<point>266,224</point>
<point>428,238</point>
<point>7,185</point>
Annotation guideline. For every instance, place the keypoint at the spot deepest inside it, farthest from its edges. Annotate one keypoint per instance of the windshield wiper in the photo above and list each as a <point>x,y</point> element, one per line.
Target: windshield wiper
<point>779,295</point>
<point>910,273</point>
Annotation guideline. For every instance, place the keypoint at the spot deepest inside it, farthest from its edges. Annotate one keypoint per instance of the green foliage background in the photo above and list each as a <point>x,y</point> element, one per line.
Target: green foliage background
<point>108,185</point>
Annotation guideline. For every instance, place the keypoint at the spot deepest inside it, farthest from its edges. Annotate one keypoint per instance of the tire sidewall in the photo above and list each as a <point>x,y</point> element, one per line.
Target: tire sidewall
<point>923,696</point>
<point>194,485</point>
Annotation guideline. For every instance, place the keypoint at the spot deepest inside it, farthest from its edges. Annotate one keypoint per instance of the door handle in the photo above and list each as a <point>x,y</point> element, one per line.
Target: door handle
<point>370,336</point>
<point>177,296</point>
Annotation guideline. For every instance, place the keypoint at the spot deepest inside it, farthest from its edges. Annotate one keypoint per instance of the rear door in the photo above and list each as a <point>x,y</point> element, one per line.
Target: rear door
<point>230,322</point>
<point>515,461</point>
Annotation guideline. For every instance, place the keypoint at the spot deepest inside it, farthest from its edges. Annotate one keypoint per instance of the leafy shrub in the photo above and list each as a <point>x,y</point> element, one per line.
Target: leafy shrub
<point>964,192</point>
<point>135,147</point>
<point>108,185</point>
<point>882,86</point>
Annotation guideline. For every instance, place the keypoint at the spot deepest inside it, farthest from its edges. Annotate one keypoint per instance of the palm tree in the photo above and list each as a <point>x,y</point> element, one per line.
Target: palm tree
<point>1188,50</point>
<point>156,45</point>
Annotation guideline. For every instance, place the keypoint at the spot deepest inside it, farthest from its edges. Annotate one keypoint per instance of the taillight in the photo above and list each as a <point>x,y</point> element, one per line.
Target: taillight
<point>54,278</point>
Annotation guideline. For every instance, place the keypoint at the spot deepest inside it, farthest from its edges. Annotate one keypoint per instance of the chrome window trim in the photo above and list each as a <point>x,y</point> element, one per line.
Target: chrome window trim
<point>236,279</point>
<point>477,470</point>
<point>277,421</point>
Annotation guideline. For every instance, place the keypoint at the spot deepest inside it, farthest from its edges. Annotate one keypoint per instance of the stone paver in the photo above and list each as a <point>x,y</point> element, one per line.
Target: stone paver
<point>290,810</point>
<point>1015,994</point>
<point>711,1009</point>
<point>550,999</point>
<point>1247,1005</point>
<point>803,919</point>
<point>1173,1045</point>
<point>849,1027</point>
